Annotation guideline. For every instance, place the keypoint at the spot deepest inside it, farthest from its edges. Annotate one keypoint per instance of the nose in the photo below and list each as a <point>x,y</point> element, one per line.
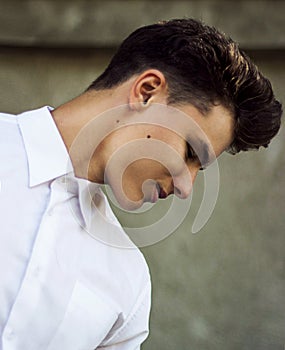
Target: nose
<point>183,183</point>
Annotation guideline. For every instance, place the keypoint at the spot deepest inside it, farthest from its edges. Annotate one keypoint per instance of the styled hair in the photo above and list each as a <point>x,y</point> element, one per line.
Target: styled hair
<point>204,67</point>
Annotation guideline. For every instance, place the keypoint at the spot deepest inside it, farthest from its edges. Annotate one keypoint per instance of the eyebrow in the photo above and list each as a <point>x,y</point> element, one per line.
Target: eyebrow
<point>205,154</point>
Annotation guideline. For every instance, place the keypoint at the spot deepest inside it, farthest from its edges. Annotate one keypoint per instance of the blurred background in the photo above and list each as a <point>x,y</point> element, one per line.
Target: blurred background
<point>224,287</point>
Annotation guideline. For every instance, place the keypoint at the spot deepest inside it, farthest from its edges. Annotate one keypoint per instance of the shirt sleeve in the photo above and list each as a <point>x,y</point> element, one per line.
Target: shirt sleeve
<point>135,329</point>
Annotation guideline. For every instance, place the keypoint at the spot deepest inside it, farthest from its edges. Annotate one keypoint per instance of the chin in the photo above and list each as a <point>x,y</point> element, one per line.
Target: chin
<point>125,203</point>
<point>131,206</point>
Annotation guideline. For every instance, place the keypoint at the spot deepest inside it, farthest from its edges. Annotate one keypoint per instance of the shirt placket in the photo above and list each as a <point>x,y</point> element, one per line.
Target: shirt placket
<point>40,300</point>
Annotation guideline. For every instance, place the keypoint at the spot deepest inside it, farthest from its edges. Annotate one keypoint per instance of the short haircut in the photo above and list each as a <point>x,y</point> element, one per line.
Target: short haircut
<point>203,67</point>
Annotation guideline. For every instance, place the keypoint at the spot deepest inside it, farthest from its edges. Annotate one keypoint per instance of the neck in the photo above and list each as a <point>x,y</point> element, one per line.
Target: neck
<point>85,121</point>
<point>80,128</point>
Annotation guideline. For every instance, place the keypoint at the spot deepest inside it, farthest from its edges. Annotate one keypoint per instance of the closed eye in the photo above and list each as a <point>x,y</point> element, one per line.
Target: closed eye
<point>191,154</point>
<point>204,154</point>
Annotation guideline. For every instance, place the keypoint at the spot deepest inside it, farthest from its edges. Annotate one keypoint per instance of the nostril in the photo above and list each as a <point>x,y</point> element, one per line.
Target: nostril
<point>177,192</point>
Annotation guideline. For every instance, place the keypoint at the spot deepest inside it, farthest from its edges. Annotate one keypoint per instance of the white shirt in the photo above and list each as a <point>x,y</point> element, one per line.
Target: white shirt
<point>62,286</point>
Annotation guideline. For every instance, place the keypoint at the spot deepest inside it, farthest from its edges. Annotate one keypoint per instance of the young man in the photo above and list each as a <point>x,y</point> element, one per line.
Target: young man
<point>174,97</point>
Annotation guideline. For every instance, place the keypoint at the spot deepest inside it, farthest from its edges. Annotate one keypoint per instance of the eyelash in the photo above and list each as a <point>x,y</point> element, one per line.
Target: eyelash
<point>190,152</point>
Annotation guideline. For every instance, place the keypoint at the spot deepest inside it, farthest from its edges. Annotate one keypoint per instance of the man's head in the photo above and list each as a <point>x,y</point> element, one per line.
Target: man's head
<point>205,68</point>
<point>184,68</point>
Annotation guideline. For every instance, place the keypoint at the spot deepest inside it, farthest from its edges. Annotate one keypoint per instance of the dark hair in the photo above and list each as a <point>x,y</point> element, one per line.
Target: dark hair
<point>203,67</point>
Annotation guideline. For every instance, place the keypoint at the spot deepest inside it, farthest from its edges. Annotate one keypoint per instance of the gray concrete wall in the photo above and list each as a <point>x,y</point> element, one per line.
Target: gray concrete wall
<point>254,23</point>
<point>224,287</point>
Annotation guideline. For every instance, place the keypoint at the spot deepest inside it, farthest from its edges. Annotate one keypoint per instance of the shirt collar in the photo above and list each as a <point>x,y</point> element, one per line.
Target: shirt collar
<point>96,214</point>
<point>47,155</point>
<point>48,159</point>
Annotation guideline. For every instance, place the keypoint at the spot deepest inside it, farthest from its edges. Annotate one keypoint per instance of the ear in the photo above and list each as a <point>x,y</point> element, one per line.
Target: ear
<point>149,87</point>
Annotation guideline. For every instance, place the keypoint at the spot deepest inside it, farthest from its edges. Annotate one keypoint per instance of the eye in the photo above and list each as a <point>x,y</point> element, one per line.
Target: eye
<point>191,153</point>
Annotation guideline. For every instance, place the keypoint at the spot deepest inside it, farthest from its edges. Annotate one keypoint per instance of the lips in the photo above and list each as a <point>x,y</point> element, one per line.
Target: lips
<point>157,193</point>
<point>161,193</point>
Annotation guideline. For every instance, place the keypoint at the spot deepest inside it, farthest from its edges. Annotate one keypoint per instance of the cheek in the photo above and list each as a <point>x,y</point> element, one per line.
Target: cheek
<point>169,165</point>
<point>145,169</point>
<point>174,159</point>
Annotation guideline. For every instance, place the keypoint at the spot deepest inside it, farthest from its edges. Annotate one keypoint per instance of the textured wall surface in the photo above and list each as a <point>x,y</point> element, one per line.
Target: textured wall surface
<point>224,287</point>
<point>254,23</point>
